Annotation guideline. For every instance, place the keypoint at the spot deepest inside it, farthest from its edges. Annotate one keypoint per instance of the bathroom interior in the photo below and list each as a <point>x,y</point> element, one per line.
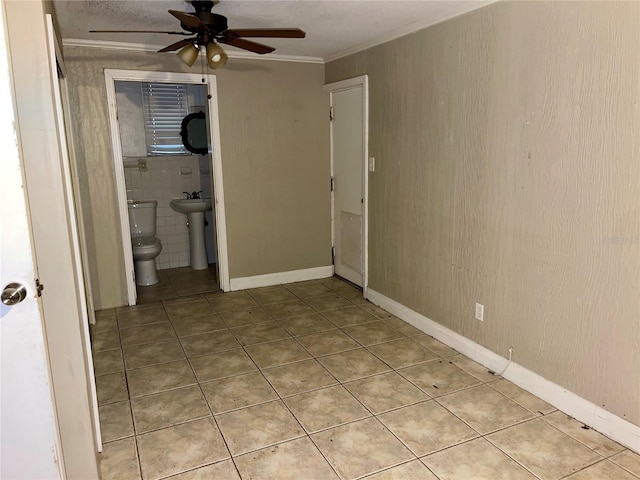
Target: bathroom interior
<point>173,254</point>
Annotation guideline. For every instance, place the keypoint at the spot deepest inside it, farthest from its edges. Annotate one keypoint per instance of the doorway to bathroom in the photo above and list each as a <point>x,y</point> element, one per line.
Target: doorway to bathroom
<point>155,161</point>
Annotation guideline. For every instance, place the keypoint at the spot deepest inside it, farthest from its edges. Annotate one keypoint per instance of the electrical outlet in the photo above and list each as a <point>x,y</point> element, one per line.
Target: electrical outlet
<point>480,312</point>
<point>372,164</point>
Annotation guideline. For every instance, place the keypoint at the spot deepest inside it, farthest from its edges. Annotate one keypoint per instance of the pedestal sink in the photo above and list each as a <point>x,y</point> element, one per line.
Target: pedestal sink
<point>194,210</point>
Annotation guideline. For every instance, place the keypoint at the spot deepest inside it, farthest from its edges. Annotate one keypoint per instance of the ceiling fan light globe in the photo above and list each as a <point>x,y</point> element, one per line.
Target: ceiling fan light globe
<point>189,54</point>
<point>216,56</point>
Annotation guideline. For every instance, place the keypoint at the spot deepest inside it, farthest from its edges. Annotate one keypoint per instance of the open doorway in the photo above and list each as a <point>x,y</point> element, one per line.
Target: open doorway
<point>170,197</point>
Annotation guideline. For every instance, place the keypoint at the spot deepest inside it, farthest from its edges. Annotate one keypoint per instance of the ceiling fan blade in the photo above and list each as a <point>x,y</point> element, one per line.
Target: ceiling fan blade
<point>139,31</point>
<point>189,20</point>
<point>177,45</point>
<point>247,45</point>
<point>268,32</point>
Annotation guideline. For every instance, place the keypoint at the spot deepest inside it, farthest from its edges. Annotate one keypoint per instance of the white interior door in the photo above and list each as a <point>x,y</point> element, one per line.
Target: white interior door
<point>348,154</point>
<point>30,446</point>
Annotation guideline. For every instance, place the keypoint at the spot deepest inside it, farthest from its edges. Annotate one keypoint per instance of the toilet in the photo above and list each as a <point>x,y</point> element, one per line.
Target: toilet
<point>146,247</point>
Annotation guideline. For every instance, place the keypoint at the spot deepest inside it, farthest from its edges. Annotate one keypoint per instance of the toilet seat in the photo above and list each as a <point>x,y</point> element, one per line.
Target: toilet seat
<point>145,244</point>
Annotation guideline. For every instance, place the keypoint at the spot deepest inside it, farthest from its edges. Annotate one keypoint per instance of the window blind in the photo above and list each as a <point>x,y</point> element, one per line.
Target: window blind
<point>164,105</point>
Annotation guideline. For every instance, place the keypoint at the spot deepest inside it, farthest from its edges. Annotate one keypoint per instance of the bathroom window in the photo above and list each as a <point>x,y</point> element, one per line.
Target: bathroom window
<point>164,106</point>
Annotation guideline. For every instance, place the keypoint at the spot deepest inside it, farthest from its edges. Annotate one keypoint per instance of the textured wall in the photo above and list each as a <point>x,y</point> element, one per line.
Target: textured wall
<point>508,173</point>
<point>275,156</point>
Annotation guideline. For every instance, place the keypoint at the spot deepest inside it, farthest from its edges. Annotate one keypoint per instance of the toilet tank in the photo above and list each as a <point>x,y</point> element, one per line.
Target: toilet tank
<point>142,218</point>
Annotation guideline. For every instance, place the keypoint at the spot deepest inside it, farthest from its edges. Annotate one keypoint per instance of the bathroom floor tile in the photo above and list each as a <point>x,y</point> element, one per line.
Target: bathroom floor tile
<point>288,309</point>
<point>119,460</point>
<point>115,421</point>
<point>628,460</point>
<point>413,470</point>
<point>147,334</point>
<point>403,327</point>
<point>328,302</point>
<point>244,317</point>
<point>402,353</point>
<point>221,302</point>
<point>220,365</point>
<point>353,364</point>
<point>484,409</point>
<point>306,324</point>
<point>260,333</point>
<point>338,285</point>
<point>326,408</point>
<point>438,377</point>
<point>180,448</point>
<point>293,460</point>
<point>153,353</point>
<point>384,392</point>
<point>137,318</point>
<point>477,459</point>
<point>546,451</point>
<point>224,470</point>
<point>592,439</point>
<point>256,427</point>
<point>361,448</point>
<point>307,290</point>
<point>147,296</point>
<point>376,311</point>
<point>159,378</point>
<point>111,388</point>
<point>481,372</point>
<point>193,288</point>
<point>298,377</point>
<point>195,325</point>
<point>106,340</point>
<point>168,408</point>
<point>109,361</point>
<point>435,346</point>
<point>105,323</point>
<point>600,471</point>
<point>277,353</point>
<point>345,317</point>
<point>326,343</point>
<point>236,392</point>
<point>522,397</point>
<point>426,427</point>
<point>268,295</point>
<point>195,308</point>
<point>206,343</point>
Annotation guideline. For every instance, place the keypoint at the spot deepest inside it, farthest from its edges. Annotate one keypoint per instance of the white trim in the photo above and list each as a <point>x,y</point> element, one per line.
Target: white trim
<point>279,278</point>
<point>111,76</point>
<point>355,82</point>
<point>407,30</point>
<point>579,408</point>
<point>142,47</point>
<point>57,61</point>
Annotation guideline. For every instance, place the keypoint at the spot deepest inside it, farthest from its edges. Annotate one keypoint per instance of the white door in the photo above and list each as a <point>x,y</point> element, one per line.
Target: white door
<point>348,154</point>
<point>30,446</point>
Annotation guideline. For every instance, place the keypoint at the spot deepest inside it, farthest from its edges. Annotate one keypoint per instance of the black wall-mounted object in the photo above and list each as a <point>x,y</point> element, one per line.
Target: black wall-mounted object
<point>194,133</point>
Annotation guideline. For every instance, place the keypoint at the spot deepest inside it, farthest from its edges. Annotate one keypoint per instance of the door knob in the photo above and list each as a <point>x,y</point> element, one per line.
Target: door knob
<point>13,294</point>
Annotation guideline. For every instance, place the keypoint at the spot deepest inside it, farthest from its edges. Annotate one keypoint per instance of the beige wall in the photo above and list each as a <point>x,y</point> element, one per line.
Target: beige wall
<point>275,156</point>
<point>507,173</point>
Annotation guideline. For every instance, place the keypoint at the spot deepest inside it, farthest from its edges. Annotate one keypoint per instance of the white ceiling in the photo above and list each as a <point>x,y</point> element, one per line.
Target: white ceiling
<point>334,27</point>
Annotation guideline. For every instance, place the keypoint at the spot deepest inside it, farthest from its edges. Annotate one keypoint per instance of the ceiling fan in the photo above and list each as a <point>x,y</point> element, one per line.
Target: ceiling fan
<point>210,29</point>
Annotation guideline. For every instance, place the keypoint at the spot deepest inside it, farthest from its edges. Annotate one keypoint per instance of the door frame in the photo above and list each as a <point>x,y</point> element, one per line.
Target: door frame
<point>113,75</point>
<point>361,82</point>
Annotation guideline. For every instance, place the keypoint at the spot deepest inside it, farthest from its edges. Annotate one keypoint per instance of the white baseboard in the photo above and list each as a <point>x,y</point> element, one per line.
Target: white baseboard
<point>599,419</point>
<point>279,278</point>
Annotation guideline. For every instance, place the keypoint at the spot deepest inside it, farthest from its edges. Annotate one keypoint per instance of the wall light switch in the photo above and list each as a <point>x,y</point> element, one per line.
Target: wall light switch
<point>372,164</point>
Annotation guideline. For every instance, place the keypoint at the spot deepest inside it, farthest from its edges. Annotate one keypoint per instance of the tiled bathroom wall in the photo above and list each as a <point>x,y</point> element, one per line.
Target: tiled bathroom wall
<point>166,178</point>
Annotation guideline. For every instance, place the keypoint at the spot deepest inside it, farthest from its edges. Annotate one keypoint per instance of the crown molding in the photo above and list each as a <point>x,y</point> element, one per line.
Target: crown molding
<point>409,29</point>
<point>142,47</point>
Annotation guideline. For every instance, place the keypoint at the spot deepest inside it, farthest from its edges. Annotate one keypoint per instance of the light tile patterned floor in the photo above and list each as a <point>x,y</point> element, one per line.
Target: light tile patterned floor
<point>308,381</point>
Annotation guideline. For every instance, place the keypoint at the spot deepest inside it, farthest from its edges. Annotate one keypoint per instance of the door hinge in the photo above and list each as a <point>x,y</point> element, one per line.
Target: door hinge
<point>330,113</point>
<point>332,184</point>
<point>39,287</point>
